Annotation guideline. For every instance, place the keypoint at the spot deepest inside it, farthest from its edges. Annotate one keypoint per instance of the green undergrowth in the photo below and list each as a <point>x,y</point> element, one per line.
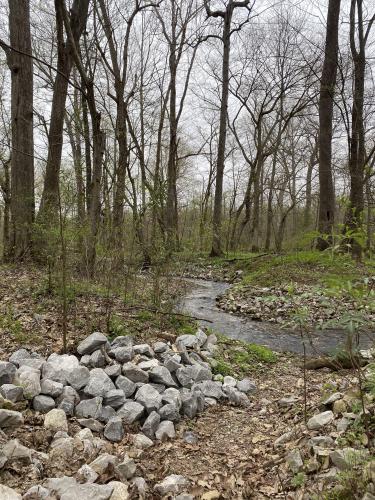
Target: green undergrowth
<point>235,357</point>
<point>307,267</point>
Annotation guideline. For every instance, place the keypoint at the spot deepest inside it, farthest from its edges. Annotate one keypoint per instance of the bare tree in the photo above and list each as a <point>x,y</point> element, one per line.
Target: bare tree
<point>226,15</point>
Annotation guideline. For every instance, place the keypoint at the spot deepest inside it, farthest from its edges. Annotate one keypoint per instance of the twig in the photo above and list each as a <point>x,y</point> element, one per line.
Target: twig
<point>166,313</point>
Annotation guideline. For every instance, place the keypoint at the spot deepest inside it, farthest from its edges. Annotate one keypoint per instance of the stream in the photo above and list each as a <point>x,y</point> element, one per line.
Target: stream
<point>200,302</point>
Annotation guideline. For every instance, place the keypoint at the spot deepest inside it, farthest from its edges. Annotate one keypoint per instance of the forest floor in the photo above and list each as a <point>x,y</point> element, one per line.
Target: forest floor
<point>236,453</point>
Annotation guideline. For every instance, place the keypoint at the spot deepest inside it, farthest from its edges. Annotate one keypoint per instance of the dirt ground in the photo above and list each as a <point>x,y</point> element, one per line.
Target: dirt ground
<point>234,456</point>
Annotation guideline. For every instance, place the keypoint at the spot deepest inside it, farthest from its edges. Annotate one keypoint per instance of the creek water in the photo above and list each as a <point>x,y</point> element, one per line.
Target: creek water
<point>200,302</point>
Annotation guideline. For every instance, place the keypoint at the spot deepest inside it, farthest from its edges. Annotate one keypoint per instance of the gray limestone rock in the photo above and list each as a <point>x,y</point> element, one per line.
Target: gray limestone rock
<point>99,383</point>
<point>134,373</point>
<point>91,343</point>
<point>126,385</point>
<point>151,424</point>
<point>149,398</point>
<point>131,412</point>
<point>43,403</point>
<point>114,430</point>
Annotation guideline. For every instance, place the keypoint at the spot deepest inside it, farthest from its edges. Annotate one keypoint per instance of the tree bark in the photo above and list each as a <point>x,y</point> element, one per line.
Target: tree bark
<point>22,203</point>
<point>327,87</point>
<point>48,210</point>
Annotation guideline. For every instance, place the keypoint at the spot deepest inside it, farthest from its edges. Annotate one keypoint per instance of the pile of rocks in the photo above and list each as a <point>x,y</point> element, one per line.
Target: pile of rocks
<point>321,447</point>
<point>112,388</point>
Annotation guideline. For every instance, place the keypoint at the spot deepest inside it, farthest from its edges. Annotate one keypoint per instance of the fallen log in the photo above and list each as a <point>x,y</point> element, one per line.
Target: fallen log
<point>336,364</point>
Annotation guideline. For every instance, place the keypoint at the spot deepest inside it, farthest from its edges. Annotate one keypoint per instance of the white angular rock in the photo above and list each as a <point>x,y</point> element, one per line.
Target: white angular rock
<point>51,387</point>
<point>142,442</point>
<point>36,363</point>
<point>55,420</point>
<point>86,474</point>
<point>332,398</point>
<point>88,491</point>
<point>230,381</point>
<point>58,366</point>
<point>149,364</point>
<point>140,486</point>
<point>122,341</point>
<point>201,336</point>
<point>320,420</point>
<point>165,431</point>
<point>160,347</point>
<point>36,493</point>
<point>113,371</point>
<point>295,461</point>
<point>103,463</point>
<point>172,396</point>
<point>210,389</point>
<point>8,493</point>
<point>97,359</point>
<point>171,484</point>
<point>14,450</point>
<point>246,385</point>
<point>29,380</point>
<point>126,469</point>
<point>169,412</point>
<point>120,491</point>
<point>91,424</point>
<point>187,341</point>
<point>348,458</point>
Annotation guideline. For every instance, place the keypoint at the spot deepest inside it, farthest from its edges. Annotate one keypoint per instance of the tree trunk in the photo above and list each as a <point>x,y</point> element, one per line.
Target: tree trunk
<point>22,203</point>
<point>171,204</point>
<point>357,153</point>
<point>327,87</point>
<point>48,210</point>
<point>216,250</point>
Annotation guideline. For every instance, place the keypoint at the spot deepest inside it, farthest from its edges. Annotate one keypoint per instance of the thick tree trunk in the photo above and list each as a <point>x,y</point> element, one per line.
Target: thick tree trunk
<point>22,204</point>
<point>327,87</point>
<point>217,250</point>
<point>48,210</point>
<point>357,152</point>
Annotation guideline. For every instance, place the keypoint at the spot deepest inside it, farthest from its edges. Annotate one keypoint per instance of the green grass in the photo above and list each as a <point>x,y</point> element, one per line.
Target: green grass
<point>307,267</point>
<point>236,357</point>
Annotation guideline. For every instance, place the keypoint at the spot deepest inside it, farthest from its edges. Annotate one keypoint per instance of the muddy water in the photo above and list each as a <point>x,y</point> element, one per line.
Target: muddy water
<point>200,302</point>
